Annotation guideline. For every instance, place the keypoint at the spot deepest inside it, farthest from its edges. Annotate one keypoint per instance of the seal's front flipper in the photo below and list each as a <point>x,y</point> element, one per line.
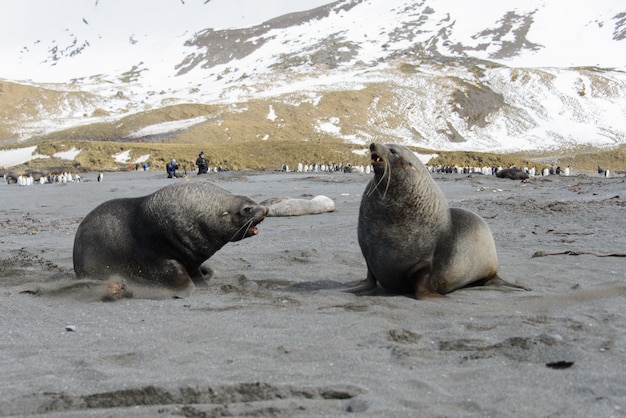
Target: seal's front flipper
<point>202,276</point>
<point>500,282</point>
<point>369,283</point>
<point>429,295</point>
<point>177,279</point>
<point>426,287</point>
<point>184,293</point>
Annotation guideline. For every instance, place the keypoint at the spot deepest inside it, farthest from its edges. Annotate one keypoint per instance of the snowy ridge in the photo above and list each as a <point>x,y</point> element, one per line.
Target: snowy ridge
<point>486,75</point>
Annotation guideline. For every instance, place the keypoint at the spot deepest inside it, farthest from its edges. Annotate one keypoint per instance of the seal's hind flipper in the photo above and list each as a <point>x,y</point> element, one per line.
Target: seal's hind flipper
<point>500,282</point>
<point>365,285</point>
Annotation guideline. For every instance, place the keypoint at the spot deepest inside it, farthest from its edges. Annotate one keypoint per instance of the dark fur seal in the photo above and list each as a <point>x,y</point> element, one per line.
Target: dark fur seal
<point>512,173</point>
<point>163,238</point>
<point>411,240</point>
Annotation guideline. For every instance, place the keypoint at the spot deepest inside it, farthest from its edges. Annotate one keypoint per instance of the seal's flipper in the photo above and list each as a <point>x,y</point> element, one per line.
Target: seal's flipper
<point>177,279</point>
<point>365,285</point>
<point>422,293</point>
<point>498,281</point>
<point>425,285</point>
<point>202,276</point>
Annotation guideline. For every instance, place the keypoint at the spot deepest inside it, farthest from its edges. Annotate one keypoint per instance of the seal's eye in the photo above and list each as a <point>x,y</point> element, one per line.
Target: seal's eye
<point>247,209</point>
<point>392,151</point>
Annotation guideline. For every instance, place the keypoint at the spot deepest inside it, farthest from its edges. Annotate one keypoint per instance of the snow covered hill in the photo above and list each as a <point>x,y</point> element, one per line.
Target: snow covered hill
<point>481,75</point>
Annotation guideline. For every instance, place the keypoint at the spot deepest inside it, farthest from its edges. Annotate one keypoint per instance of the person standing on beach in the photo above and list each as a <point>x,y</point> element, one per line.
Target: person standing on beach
<point>202,163</point>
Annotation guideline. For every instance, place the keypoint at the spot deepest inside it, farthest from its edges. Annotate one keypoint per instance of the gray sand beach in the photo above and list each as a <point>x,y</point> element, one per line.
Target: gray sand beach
<point>273,335</point>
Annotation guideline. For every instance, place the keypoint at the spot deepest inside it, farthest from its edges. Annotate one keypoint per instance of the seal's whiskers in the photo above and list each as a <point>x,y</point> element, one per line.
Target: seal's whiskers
<point>386,173</point>
<point>245,228</point>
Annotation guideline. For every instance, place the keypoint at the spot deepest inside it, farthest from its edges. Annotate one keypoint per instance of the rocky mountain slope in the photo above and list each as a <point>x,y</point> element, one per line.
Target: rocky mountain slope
<point>443,75</point>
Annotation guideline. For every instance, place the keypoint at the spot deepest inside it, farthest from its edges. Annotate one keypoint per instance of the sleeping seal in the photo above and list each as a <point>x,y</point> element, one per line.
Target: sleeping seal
<point>512,173</point>
<point>287,206</point>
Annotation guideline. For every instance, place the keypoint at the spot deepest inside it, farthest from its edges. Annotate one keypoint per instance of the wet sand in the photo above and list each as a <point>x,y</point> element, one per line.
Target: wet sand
<point>273,335</point>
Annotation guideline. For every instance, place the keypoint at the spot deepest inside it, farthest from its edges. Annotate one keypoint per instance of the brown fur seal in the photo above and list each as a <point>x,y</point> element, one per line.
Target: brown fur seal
<point>412,242</point>
<point>163,238</point>
<point>512,173</point>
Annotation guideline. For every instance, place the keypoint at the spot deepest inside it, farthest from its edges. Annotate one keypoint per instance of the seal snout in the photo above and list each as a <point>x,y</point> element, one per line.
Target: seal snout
<point>258,214</point>
<point>375,153</point>
<point>376,158</point>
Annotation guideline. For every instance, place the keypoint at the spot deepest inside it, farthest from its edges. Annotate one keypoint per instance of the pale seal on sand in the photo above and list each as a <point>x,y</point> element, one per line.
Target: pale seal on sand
<point>287,206</point>
<point>411,240</point>
<point>163,238</point>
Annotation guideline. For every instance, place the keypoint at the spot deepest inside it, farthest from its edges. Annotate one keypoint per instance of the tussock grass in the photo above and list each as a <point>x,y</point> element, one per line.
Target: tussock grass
<point>615,160</point>
<point>254,155</point>
<point>480,159</point>
<point>272,154</point>
<point>581,161</point>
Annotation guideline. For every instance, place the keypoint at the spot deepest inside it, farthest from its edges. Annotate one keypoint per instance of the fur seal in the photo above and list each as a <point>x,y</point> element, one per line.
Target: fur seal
<point>411,240</point>
<point>512,173</point>
<point>287,206</point>
<point>163,238</point>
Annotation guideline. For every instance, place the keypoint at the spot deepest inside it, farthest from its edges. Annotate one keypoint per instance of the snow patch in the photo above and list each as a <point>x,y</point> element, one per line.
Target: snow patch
<point>12,157</point>
<point>360,152</point>
<point>330,127</point>
<point>67,155</point>
<point>166,127</point>
<point>142,159</point>
<point>272,114</point>
<point>425,158</point>
<point>122,157</point>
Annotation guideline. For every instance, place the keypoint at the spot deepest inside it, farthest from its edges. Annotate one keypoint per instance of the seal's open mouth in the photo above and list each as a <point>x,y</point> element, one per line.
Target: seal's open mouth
<point>255,215</point>
<point>253,230</point>
<point>377,163</point>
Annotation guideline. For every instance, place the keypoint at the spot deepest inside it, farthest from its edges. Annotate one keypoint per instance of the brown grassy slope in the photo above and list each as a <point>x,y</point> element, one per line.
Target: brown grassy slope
<point>580,161</point>
<point>615,160</point>
<point>271,154</point>
<point>480,159</point>
<point>296,118</point>
<point>233,135</point>
<point>20,102</point>
<point>122,128</point>
<point>256,155</point>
